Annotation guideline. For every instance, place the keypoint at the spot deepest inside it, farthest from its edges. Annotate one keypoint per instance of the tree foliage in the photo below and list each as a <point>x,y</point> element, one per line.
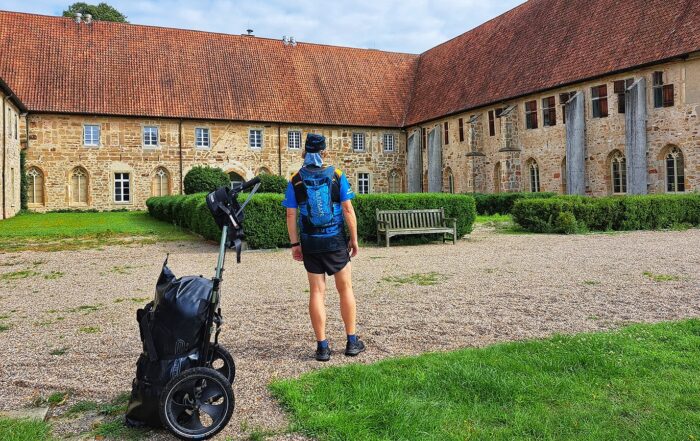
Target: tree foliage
<point>101,11</point>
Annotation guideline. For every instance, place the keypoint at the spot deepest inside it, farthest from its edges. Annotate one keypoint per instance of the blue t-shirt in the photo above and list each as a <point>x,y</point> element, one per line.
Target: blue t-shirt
<point>329,239</point>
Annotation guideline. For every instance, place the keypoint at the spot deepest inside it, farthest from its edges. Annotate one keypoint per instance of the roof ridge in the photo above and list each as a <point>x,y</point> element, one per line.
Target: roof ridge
<point>241,36</point>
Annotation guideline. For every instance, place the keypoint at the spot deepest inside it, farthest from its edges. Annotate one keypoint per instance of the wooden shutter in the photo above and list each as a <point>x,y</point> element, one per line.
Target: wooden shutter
<point>668,95</point>
<point>619,86</point>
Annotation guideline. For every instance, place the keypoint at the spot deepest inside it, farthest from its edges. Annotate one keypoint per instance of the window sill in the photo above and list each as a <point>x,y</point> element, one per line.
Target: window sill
<point>123,203</point>
<point>150,147</point>
<point>202,148</point>
<point>88,146</point>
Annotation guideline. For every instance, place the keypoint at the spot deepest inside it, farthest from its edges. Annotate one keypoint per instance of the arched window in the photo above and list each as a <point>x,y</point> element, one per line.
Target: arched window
<point>563,176</point>
<point>263,171</point>
<point>618,173</point>
<point>235,177</point>
<point>35,186</point>
<point>675,173</point>
<point>79,186</point>
<point>497,178</point>
<point>534,176</point>
<point>160,183</point>
<point>394,182</point>
<point>450,181</point>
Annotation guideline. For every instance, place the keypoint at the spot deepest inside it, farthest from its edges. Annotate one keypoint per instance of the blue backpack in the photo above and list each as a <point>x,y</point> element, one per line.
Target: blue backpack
<point>316,191</point>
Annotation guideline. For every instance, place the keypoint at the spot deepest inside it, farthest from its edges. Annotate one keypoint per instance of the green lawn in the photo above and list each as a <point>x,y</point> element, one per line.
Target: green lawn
<point>53,231</point>
<point>641,383</point>
<point>24,430</point>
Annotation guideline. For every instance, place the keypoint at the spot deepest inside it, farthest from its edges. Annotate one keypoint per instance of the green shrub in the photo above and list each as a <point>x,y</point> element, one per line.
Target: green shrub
<point>265,222</point>
<point>461,207</point>
<point>614,213</point>
<point>204,179</point>
<point>272,184</point>
<point>502,203</point>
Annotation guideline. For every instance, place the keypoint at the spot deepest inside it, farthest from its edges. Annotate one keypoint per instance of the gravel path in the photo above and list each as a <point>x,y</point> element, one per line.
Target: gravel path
<point>488,288</point>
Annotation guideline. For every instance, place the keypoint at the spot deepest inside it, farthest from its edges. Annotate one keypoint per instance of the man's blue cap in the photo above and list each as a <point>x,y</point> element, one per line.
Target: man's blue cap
<point>315,143</point>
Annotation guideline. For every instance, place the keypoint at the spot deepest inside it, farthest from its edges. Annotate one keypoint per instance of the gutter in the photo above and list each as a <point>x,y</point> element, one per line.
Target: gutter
<point>179,142</point>
<point>4,160</point>
<point>279,150</point>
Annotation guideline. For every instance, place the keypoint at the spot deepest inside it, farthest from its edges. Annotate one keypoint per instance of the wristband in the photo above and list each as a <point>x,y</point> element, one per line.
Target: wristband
<point>296,244</point>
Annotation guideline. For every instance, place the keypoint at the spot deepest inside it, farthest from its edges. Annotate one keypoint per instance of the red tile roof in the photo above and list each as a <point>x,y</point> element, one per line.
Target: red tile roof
<point>56,65</point>
<point>543,44</point>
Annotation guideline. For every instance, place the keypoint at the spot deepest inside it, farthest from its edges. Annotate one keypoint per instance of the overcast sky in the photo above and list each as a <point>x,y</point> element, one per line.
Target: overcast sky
<point>394,25</point>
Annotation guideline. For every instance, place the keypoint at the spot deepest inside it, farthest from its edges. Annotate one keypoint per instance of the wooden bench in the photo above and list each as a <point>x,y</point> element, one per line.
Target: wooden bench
<point>392,223</point>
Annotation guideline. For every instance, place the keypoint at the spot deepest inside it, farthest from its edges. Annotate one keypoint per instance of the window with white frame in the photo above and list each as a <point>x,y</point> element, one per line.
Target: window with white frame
<point>91,135</point>
<point>389,142</point>
<point>150,136</point>
<point>534,176</point>
<point>255,140</point>
<point>294,139</point>
<point>618,173</point>
<point>122,187</point>
<point>202,138</point>
<point>675,173</point>
<point>358,142</point>
<point>160,183</point>
<point>363,183</point>
<point>35,190</point>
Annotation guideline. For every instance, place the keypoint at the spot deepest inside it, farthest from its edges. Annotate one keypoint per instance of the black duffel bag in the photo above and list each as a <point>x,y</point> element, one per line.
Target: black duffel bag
<point>172,329</point>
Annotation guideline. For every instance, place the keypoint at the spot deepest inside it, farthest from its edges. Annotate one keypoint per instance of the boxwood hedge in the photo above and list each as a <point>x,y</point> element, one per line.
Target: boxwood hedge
<point>265,223</point>
<point>571,214</point>
<point>502,203</point>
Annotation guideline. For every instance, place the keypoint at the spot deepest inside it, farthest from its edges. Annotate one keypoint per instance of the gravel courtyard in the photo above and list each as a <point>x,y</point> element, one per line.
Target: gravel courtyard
<point>80,306</point>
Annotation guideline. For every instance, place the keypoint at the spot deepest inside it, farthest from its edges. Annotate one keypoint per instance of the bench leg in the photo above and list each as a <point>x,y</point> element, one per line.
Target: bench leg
<point>454,237</point>
<point>387,239</point>
<point>379,238</point>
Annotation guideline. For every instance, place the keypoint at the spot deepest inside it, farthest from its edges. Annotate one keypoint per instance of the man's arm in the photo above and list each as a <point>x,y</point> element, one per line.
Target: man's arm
<point>293,233</point>
<point>351,221</point>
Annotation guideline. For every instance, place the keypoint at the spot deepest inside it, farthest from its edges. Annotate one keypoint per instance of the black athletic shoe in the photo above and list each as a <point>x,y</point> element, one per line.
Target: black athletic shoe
<point>323,354</point>
<point>353,349</point>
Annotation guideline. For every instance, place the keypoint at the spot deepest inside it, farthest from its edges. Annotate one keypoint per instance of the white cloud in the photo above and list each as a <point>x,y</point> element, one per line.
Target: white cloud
<point>405,26</point>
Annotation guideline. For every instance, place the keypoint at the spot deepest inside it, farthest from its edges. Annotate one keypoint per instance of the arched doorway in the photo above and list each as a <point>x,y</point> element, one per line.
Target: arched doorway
<point>235,177</point>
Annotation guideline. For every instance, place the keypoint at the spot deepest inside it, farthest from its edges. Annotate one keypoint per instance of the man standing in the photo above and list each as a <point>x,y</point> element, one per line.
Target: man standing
<point>324,199</point>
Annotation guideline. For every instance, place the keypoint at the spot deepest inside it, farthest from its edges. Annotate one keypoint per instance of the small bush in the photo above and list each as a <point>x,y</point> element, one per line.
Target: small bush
<point>272,184</point>
<point>614,213</point>
<point>204,179</point>
<point>502,203</point>
<point>265,223</point>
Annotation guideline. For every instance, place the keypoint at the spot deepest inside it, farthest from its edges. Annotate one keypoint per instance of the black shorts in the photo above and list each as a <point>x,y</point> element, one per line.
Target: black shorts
<point>329,262</point>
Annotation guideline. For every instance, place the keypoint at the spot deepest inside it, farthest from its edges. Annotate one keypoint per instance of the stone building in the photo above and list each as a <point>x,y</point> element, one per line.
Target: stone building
<point>12,110</point>
<point>589,97</point>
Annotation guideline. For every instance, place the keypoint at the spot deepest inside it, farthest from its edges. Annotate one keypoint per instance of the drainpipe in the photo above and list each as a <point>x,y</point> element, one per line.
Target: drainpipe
<point>4,160</point>
<point>279,150</point>
<point>179,142</point>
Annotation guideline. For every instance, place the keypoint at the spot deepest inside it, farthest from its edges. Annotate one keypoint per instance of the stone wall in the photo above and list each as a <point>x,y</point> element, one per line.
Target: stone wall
<point>56,148</point>
<point>9,159</point>
<point>666,127</point>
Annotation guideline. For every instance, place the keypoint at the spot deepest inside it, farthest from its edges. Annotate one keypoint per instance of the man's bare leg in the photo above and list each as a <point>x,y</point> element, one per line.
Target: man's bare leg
<point>343,282</point>
<point>317,304</point>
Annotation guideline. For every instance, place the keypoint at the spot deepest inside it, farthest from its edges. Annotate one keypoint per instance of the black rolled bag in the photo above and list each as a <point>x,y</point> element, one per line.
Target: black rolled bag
<point>172,329</point>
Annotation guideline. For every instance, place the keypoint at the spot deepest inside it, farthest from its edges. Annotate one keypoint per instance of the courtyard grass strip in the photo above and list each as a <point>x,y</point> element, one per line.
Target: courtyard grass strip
<point>24,430</point>
<point>640,382</point>
<point>76,230</point>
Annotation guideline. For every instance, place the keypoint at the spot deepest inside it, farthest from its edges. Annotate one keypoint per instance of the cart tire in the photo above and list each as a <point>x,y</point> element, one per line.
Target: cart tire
<point>196,404</point>
<point>222,362</point>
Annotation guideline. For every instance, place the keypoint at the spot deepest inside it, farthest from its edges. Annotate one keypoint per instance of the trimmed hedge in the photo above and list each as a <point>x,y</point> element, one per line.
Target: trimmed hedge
<point>461,207</point>
<point>502,203</point>
<point>265,222</point>
<point>204,179</point>
<point>272,183</point>
<point>572,214</point>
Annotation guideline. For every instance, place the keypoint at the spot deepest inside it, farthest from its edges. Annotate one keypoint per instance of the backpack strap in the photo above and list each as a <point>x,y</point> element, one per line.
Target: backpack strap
<point>300,187</point>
